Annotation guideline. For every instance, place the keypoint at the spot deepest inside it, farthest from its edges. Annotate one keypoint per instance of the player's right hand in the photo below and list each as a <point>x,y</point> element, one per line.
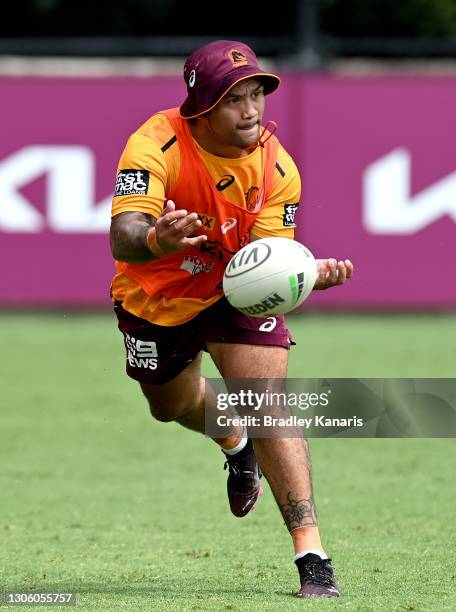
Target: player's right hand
<point>175,228</point>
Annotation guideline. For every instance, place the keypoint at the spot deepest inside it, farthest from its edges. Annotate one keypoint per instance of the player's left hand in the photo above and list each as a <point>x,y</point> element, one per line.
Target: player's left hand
<point>332,273</point>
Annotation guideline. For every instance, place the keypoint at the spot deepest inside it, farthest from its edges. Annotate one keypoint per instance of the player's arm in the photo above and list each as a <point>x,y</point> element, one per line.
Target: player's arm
<point>141,229</point>
<point>330,271</point>
<point>138,237</point>
<point>277,217</point>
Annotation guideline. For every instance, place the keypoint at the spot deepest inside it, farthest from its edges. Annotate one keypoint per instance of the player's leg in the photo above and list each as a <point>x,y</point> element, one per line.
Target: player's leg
<point>166,362</point>
<point>180,399</point>
<point>285,463</point>
<point>188,399</point>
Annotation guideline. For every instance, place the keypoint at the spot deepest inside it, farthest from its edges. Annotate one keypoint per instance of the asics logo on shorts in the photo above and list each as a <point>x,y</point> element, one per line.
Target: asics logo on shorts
<point>268,325</point>
<point>141,353</point>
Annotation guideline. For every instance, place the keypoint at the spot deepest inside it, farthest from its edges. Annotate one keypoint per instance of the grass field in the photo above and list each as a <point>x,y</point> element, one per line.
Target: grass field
<point>131,514</point>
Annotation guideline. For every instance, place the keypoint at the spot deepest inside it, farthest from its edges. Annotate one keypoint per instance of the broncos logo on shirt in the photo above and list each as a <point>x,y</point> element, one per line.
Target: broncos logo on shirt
<point>251,198</point>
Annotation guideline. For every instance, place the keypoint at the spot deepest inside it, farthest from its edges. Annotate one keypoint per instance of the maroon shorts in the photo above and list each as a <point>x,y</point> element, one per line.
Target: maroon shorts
<point>156,354</point>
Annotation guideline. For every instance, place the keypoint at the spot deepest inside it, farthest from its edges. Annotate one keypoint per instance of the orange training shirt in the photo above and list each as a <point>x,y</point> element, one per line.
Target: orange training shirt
<point>258,193</point>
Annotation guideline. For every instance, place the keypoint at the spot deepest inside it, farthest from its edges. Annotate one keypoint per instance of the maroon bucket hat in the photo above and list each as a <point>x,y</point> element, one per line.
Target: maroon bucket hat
<point>211,71</point>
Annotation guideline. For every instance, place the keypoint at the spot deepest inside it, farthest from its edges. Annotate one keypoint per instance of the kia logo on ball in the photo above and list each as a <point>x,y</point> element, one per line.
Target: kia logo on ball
<point>247,259</point>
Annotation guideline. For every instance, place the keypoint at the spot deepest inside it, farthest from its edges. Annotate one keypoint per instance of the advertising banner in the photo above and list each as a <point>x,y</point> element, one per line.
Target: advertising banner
<point>376,157</point>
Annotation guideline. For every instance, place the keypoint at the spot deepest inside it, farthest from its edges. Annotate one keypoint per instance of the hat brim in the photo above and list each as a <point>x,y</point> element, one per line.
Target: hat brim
<point>204,100</point>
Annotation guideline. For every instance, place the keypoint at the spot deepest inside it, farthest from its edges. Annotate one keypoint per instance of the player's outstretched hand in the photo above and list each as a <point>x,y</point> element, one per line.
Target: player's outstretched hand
<point>174,229</point>
<point>332,273</point>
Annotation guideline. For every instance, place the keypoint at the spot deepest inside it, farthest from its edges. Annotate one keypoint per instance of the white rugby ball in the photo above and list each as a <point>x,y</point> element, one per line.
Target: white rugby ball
<point>269,276</point>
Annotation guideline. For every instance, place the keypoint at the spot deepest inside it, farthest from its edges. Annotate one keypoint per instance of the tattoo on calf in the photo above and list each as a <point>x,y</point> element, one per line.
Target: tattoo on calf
<point>298,512</point>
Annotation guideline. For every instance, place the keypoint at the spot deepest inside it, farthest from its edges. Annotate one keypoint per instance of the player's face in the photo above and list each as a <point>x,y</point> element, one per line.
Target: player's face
<point>236,118</point>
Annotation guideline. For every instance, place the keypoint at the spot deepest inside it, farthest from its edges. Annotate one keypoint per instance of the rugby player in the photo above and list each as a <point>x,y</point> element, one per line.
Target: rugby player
<point>194,185</point>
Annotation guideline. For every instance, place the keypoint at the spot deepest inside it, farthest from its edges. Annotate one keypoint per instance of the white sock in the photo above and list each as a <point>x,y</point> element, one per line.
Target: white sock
<point>238,447</point>
<point>320,553</point>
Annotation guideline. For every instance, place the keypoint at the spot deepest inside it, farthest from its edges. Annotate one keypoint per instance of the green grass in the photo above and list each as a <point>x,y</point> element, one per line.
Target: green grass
<point>131,514</point>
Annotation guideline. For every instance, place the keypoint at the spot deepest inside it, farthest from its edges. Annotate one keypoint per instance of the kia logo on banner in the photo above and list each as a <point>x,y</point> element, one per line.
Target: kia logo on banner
<point>388,206</point>
<point>70,205</point>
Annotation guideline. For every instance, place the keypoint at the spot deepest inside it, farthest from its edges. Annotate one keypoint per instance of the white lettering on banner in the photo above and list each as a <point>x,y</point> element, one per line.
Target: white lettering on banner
<point>388,207</point>
<point>70,192</point>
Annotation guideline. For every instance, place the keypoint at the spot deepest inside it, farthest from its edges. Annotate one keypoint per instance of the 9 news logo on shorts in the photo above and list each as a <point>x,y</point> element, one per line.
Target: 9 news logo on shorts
<point>141,353</point>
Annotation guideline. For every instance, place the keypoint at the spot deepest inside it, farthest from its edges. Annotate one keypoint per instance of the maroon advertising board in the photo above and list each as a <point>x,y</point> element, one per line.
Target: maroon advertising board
<point>377,157</point>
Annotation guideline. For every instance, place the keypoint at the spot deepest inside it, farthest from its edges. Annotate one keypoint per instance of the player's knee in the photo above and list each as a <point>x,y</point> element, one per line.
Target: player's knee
<point>161,414</point>
<point>169,413</point>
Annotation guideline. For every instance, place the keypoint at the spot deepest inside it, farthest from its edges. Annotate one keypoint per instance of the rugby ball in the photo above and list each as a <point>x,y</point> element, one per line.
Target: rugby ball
<point>269,276</point>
